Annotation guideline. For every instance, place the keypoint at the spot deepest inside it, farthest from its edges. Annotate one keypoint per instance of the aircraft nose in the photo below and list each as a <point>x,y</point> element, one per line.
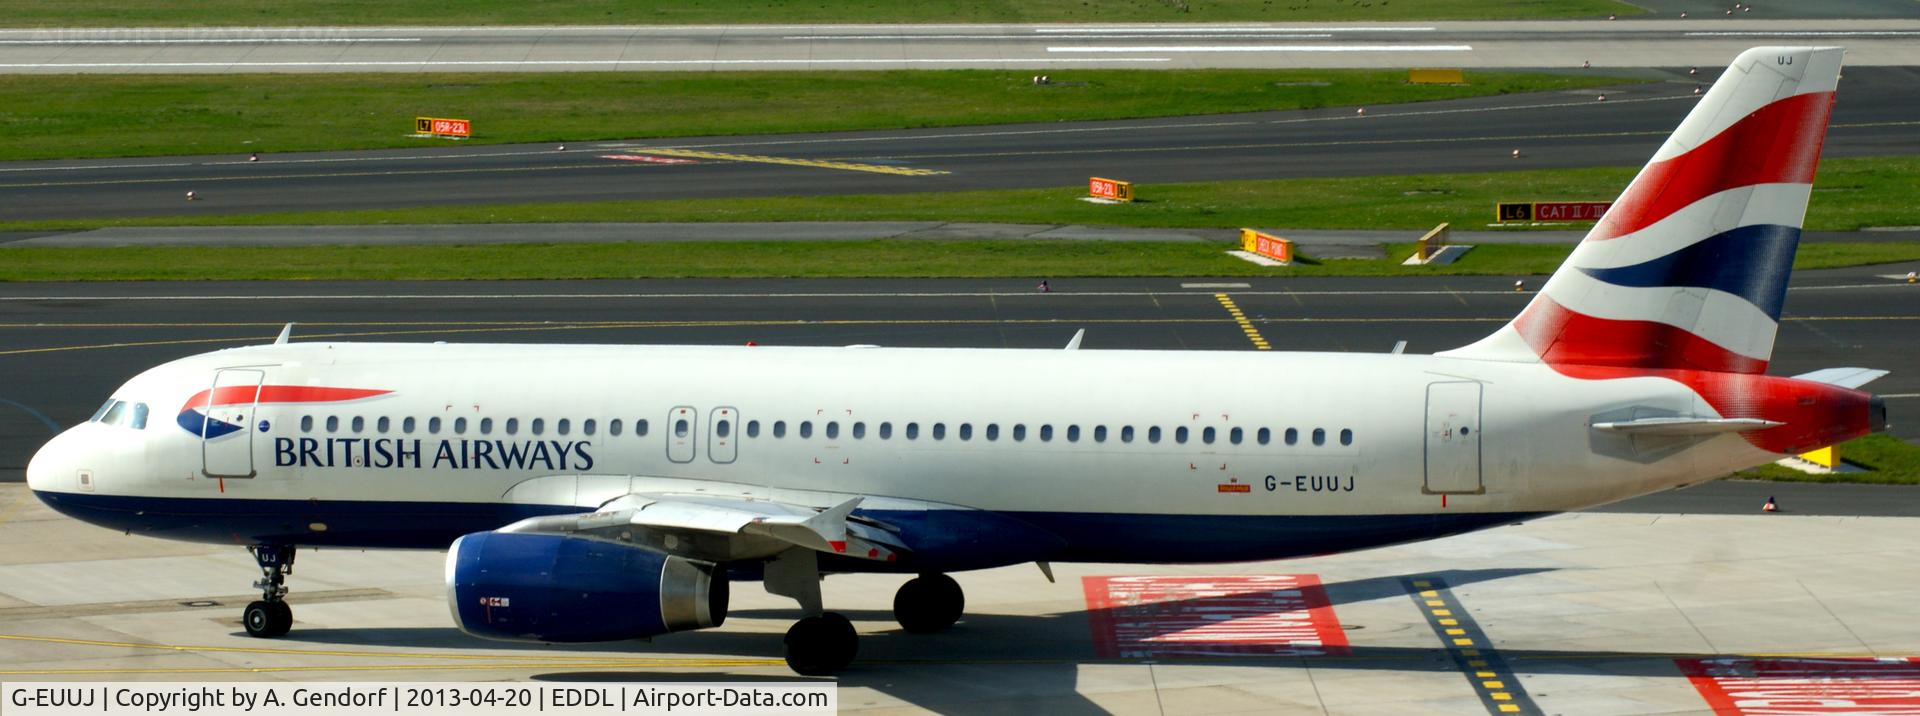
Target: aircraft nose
<point>51,469</point>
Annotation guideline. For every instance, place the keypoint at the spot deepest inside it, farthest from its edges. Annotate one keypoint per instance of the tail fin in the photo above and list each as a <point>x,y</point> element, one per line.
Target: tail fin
<point>1689,267</point>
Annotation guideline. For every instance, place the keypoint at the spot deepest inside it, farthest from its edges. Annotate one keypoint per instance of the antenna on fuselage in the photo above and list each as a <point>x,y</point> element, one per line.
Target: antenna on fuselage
<point>285,333</point>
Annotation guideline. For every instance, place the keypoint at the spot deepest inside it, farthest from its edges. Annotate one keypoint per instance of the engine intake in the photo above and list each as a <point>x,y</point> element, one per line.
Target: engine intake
<point>554,588</point>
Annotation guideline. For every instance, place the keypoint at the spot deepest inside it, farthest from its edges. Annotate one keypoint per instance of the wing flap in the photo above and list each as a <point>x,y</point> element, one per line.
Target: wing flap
<point>741,528</point>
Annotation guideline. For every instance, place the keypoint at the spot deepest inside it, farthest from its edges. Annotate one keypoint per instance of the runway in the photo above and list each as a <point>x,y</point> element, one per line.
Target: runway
<point>1874,116</point>
<point>1704,39</point>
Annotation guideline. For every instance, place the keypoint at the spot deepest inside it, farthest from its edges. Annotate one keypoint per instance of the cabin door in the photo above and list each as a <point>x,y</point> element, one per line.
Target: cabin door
<point>223,416</point>
<point>1453,438</point>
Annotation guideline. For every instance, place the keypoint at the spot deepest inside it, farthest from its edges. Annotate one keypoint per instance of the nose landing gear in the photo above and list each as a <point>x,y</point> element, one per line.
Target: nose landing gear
<point>270,616</point>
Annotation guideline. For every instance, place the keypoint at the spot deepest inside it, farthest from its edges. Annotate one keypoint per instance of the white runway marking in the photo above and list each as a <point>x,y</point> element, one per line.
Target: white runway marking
<point>217,41</point>
<point>1268,48</point>
<point>553,63</point>
<point>1321,36</point>
<point>1809,33</point>
<point>1176,30</point>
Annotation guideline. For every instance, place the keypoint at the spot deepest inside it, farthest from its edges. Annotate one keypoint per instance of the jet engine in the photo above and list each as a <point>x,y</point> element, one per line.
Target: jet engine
<point>555,588</point>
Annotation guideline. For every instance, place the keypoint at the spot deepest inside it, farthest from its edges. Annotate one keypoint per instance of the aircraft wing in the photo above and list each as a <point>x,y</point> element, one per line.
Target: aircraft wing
<point>724,528</point>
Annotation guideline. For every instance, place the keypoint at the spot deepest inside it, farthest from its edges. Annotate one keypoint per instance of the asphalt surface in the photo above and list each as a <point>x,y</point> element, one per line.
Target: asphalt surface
<point>1875,115</point>
<point>65,347</point>
<point>1705,38</point>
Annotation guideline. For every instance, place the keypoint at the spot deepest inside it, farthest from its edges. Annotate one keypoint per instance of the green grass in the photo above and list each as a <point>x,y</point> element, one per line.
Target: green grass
<point>65,117</point>
<point>1849,194</point>
<point>1890,461</point>
<point>136,13</point>
<point>813,259</point>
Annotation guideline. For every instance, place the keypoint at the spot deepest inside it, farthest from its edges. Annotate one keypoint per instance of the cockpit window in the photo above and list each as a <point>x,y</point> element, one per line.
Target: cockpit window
<point>121,413</point>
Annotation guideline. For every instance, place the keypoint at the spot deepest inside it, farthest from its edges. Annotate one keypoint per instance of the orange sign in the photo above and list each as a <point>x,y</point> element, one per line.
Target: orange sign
<point>1112,189</point>
<point>443,127</point>
<point>1267,245</point>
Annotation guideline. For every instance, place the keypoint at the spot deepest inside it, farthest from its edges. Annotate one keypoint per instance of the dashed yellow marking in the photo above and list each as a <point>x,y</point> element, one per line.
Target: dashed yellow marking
<point>1489,675</point>
<point>1494,684</point>
<point>1246,326</point>
<point>1501,696</point>
<point>1429,593</point>
<point>1485,674</point>
<point>790,161</point>
<point>1456,632</point>
<point>1449,622</point>
<point>1509,708</point>
<point>1435,603</point>
<point>1463,642</point>
<point>1443,612</point>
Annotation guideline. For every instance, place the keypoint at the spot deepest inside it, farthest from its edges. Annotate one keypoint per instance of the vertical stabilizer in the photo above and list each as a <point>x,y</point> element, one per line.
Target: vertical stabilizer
<point>1689,267</point>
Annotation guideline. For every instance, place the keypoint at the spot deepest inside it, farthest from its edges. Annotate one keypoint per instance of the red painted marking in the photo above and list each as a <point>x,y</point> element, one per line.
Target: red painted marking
<point>223,485</point>
<point>1777,144</point>
<point>1248,615</point>
<point>1235,488</point>
<point>1740,686</point>
<point>649,159</point>
<point>1443,500</point>
<point>839,546</point>
<point>243,394</point>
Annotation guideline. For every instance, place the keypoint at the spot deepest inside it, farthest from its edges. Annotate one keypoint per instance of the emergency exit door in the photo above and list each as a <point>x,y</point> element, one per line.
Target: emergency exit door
<point>1453,438</point>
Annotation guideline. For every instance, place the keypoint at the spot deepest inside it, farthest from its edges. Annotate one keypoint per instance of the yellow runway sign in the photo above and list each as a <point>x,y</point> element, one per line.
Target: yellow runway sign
<point>790,161</point>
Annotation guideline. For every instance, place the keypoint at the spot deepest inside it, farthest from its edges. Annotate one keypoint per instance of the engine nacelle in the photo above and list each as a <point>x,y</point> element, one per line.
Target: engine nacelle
<point>543,587</point>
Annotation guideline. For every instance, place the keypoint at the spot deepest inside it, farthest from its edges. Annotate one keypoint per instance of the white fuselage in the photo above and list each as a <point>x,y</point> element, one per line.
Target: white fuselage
<point>1080,444</point>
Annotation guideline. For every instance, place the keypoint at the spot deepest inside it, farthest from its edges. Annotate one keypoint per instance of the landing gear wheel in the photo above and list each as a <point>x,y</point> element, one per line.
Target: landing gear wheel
<point>928,603</point>
<point>821,645</point>
<point>265,620</point>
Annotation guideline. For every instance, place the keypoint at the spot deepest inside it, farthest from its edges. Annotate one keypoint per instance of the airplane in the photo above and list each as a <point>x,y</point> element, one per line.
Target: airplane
<point>613,492</point>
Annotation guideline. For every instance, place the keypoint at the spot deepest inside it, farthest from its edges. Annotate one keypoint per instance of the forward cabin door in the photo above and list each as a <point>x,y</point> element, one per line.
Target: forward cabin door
<point>1453,438</point>
<point>225,424</point>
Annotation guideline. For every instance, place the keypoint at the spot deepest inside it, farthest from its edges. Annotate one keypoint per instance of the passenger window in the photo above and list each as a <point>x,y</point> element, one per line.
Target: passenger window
<point>1180,435</point>
<point>1099,433</point>
<point>562,426</point>
<point>486,426</point>
<point>993,431</point>
<point>613,427</point>
<point>359,424</point>
<point>859,431</point>
<point>1346,436</point>
<point>406,425</point>
<point>1073,433</point>
<point>1236,435</point>
<point>433,425</point>
<point>1153,434</point>
<point>384,424</point>
<point>1126,434</point>
<point>640,428</point>
<point>1019,432</point>
<point>586,427</point>
<point>306,423</point>
<point>1319,436</point>
<point>1046,433</point>
<point>459,426</point>
<point>913,431</point>
<point>1206,435</point>
<point>537,425</point>
<point>833,429</point>
<point>333,423</point>
<point>511,427</point>
<point>1293,436</point>
<point>680,428</point>
<point>139,416</point>
<point>753,428</point>
<point>723,428</point>
<point>806,428</point>
<point>1264,436</point>
<point>966,431</point>
<point>886,430</point>
<point>939,431</point>
<point>779,428</point>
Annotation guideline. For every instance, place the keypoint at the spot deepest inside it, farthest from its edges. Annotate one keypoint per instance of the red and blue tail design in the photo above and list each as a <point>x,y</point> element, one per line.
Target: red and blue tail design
<point>1685,275</point>
<point>194,413</point>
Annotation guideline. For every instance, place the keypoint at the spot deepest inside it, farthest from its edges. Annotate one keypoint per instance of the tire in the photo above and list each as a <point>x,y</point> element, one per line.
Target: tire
<point>821,645</point>
<point>928,604</point>
<point>258,618</point>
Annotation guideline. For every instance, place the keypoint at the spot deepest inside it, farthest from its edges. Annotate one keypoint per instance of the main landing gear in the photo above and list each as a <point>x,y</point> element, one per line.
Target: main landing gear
<point>270,617</point>
<point>824,642</point>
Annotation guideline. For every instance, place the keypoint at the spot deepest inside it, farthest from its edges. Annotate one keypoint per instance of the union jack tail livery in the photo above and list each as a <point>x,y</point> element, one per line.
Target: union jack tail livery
<point>1684,276</point>
<point>1689,267</point>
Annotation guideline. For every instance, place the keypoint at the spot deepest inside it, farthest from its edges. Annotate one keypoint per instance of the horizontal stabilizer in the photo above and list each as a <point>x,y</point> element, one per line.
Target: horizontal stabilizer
<point>1843,377</point>
<point>1685,426</point>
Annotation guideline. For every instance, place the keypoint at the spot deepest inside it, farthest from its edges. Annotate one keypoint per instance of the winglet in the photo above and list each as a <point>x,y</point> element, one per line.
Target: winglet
<point>285,333</point>
<point>1074,345</point>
